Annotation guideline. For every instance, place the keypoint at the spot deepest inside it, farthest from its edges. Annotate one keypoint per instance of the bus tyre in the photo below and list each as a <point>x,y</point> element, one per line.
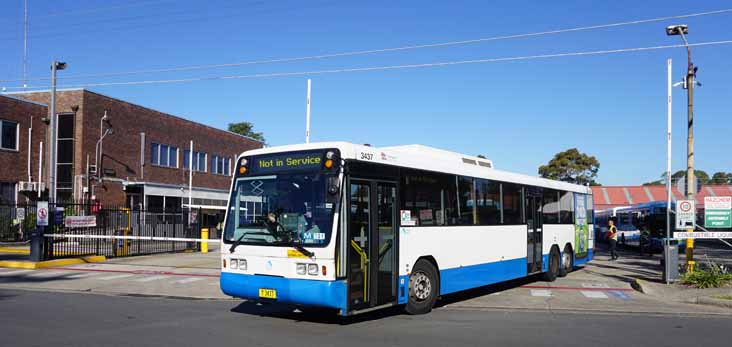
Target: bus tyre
<point>423,288</point>
<point>567,262</point>
<point>553,267</point>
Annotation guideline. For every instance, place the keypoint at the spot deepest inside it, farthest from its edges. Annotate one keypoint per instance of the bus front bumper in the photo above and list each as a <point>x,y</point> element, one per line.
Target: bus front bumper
<point>292,291</point>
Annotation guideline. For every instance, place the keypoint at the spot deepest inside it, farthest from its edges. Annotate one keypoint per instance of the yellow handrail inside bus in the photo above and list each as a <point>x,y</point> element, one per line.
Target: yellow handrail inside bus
<point>364,259</point>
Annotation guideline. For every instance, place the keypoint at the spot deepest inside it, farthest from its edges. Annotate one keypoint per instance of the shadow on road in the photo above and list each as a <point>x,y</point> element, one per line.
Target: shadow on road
<point>312,314</point>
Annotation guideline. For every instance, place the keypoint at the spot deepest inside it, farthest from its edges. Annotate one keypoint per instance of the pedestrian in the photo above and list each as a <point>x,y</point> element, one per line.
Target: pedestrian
<point>612,236</point>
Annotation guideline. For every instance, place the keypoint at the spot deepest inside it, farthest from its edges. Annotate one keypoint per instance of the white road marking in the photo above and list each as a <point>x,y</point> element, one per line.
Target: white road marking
<point>593,294</point>
<point>115,277</point>
<point>43,274</point>
<point>595,285</point>
<point>216,283</point>
<point>188,280</point>
<point>152,278</point>
<point>541,292</point>
<point>16,272</point>
<point>81,275</point>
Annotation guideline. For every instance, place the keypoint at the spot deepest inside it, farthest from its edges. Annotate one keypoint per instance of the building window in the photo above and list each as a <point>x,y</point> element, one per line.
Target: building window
<point>9,138</point>
<point>164,155</point>
<point>7,192</point>
<point>199,160</point>
<point>220,165</point>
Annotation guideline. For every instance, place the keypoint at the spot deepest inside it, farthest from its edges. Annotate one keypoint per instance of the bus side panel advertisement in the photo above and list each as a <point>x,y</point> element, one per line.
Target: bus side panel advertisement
<point>581,228</point>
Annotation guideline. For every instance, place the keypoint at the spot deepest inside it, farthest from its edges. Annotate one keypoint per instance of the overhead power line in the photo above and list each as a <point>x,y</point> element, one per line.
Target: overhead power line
<point>391,67</point>
<point>381,50</point>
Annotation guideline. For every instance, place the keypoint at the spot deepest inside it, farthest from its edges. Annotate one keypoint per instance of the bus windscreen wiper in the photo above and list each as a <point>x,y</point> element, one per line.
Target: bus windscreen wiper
<point>301,249</point>
<point>237,242</point>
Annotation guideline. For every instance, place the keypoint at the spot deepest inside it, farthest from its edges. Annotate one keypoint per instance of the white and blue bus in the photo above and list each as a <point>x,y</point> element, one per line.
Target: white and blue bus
<point>355,228</point>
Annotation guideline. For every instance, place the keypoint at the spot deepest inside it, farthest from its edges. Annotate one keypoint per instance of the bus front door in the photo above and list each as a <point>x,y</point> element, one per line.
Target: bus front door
<point>372,273</point>
<point>534,234</point>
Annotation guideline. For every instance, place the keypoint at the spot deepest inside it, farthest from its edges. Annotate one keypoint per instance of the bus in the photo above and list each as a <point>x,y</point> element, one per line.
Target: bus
<point>642,225</point>
<point>356,228</point>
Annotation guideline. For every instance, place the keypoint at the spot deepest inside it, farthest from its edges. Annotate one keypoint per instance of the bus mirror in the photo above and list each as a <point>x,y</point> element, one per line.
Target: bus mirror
<point>332,185</point>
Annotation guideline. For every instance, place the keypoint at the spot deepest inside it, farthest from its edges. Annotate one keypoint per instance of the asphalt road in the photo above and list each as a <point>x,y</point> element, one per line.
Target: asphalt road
<point>33,318</point>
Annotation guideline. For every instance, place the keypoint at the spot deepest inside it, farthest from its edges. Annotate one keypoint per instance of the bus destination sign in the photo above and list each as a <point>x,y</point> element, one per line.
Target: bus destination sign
<point>287,162</point>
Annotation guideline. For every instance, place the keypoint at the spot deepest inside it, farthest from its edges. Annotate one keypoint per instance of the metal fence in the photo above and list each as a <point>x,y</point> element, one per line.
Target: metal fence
<point>16,221</point>
<point>100,222</point>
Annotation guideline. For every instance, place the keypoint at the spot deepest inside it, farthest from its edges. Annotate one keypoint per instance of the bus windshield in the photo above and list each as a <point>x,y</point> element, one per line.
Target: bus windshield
<point>282,209</point>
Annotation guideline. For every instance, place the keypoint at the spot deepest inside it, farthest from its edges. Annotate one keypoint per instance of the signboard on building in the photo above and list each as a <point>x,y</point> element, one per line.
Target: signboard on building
<point>20,213</point>
<point>42,213</point>
<point>80,221</point>
<point>685,214</point>
<point>718,212</point>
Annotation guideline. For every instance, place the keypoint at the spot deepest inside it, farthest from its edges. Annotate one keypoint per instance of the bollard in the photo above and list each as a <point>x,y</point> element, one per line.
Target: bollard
<point>204,244</point>
<point>36,244</point>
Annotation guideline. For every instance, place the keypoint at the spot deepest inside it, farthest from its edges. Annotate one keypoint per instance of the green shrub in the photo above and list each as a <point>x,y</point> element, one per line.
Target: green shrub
<point>711,276</point>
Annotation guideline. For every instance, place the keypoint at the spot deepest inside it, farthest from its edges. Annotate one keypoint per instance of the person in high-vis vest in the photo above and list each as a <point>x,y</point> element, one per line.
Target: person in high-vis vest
<point>612,236</point>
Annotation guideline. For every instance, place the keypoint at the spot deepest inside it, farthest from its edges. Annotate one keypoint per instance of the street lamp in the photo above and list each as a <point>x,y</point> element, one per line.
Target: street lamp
<point>55,66</point>
<point>98,148</point>
<point>683,30</point>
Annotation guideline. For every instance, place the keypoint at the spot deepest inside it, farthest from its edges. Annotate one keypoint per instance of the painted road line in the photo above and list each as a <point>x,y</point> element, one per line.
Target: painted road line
<point>620,295</point>
<point>151,278</point>
<point>81,275</point>
<point>541,292</point>
<point>44,274</point>
<point>16,272</point>
<point>593,294</point>
<point>115,277</point>
<point>188,280</point>
<point>595,285</point>
<point>575,288</point>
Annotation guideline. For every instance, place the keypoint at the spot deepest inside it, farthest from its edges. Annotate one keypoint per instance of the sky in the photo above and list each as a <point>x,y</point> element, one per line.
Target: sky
<point>516,113</point>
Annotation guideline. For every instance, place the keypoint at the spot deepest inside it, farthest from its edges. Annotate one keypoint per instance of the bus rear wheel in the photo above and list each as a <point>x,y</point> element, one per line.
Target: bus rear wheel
<point>553,267</point>
<point>567,262</point>
<point>423,288</point>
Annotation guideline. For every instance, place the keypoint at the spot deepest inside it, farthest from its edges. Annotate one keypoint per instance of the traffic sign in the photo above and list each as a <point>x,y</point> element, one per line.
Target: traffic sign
<point>42,213</point>
<point>685,214</point>
<point>718,212</point>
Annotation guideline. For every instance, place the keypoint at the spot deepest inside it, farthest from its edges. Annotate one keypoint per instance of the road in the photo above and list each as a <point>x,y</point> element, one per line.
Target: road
<point>35,318</point>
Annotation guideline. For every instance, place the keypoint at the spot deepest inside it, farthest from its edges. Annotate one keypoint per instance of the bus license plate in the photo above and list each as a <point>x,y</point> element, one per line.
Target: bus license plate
<point>267,293</point>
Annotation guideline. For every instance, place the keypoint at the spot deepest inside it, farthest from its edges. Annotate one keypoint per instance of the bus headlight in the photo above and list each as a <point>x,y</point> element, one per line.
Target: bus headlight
<point>313,269</point>
<point>243,264</point>
<point>233,264</point>
<point>301,269</point>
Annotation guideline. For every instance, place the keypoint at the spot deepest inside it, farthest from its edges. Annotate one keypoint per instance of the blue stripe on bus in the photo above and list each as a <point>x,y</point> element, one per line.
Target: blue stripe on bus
<point>472,276</point>
<point>296,291</point>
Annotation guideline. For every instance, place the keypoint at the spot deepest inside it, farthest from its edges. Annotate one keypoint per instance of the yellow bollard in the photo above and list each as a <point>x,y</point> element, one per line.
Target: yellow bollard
<point>690,255</point>
<point>204,244</point>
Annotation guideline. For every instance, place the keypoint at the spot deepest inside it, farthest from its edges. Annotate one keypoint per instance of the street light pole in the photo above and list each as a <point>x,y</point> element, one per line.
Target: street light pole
<point>682,30</point>
<point>55,66</point>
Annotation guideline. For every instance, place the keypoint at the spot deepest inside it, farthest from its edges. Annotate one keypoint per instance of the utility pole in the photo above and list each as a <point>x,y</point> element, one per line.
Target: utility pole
<point>52,155</point>
<point>307,116</point>
<point>682,30</point>
<point>667,243</point>
<point>25,44</point>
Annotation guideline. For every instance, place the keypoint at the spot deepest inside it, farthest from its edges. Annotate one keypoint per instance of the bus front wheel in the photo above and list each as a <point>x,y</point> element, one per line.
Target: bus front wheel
<point>423,288</point>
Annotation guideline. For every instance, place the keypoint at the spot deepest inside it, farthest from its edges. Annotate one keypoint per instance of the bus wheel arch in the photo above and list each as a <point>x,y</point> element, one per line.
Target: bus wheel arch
<point>567,261</point>
<point>424,286</point>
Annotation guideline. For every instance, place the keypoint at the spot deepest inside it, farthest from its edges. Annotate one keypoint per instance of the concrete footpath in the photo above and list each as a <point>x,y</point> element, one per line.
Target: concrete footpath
<point>602,286</point>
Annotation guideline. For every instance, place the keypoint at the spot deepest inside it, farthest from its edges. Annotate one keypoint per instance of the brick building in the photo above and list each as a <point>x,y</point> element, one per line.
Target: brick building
<point>19,120</point>
<point>143,160</point>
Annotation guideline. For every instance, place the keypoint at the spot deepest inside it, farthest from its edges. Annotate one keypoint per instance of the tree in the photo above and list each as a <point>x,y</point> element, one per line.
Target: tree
<point>246,129</point>
<point>721,178</point>
<point>572,166</point>
<point>701,175</point>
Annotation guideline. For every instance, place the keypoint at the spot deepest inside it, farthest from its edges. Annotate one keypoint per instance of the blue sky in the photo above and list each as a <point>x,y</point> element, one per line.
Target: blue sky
<point>519,114</point>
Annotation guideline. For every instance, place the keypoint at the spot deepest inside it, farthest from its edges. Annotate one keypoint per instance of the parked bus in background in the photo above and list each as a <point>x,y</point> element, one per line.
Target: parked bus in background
<point>355,228</point>
<point>641,226</point>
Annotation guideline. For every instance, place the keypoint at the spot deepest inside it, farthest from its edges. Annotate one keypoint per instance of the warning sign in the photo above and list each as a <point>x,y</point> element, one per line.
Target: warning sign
<point>718,212</point>
<point>685,214</point>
